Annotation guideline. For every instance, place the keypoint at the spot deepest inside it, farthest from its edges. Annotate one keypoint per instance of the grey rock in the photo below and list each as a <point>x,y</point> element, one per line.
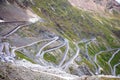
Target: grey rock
<point>24,70</point>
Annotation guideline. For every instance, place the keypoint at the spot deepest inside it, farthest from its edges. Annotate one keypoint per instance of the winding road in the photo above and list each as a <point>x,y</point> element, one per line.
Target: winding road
<point>49,43</point>
<point>10,54</point>
<point>62,44</point>
<point>114,69</point>
<point>109,62</point>
<point>96,60</point>
<point>66,65</point>
<point>7,52</point>
<point>65,53</point>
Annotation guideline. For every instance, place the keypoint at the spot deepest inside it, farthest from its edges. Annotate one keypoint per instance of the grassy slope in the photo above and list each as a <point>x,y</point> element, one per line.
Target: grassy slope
<point>75,25</point>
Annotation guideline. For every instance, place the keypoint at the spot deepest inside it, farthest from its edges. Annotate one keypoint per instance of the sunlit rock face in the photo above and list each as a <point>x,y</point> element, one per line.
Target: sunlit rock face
<point>87,5</point>
<point>97,5</point>
<point>118,1</point>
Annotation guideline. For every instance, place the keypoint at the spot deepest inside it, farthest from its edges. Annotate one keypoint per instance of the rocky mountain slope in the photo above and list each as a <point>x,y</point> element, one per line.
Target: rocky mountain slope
<point>101,6</point>
<point>79,36</point>
<point>24,70</point>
